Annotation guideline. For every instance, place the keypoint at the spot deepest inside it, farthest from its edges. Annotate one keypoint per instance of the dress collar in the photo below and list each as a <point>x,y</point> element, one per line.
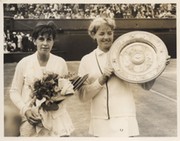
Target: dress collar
<point>49,62</point>
<point>100,52</point>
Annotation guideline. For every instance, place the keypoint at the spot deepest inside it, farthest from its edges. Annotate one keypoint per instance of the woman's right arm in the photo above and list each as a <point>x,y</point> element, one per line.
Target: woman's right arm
<point>89,89</point>
<point>16,88</point>
<point>16,95</point>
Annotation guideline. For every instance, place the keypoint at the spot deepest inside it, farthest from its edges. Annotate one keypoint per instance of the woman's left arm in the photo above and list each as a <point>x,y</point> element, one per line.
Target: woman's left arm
<point>148,85</point>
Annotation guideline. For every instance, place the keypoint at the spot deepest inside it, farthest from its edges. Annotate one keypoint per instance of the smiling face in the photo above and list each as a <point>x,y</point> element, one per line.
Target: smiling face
<point>104,37</point>
<point>44,44</point>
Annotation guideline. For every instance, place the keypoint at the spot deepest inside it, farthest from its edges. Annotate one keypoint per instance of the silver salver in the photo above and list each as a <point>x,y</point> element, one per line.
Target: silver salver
<point>138,56</point>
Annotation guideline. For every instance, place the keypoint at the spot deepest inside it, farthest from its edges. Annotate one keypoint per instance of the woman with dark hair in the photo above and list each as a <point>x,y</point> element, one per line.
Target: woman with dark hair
<point>30,68</point>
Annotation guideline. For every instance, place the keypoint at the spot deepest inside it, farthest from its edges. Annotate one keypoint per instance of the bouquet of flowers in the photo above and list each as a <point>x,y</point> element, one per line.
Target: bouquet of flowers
<point>52,89</point>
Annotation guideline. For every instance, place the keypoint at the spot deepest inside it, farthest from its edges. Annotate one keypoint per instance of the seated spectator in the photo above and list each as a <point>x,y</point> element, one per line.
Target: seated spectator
<point>166,14</point>
<point>56,14</point>
<point>26,15</point>
<point>31,15</point>
<point>12,8</point>
<point>62,15</point>
<point>138,16</point>
<point>11,46</point>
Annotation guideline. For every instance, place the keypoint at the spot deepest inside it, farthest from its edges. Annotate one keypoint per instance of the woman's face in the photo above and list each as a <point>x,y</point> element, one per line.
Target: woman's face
<point>44,44</point>
<point>104,37</point>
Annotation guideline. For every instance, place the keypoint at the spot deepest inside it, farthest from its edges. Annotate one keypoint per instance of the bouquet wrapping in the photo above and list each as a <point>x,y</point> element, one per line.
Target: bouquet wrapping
<point>49,91</point>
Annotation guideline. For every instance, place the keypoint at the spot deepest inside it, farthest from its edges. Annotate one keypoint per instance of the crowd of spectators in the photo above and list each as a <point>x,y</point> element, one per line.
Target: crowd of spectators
<point>89,11</point>
<point>18,41</point>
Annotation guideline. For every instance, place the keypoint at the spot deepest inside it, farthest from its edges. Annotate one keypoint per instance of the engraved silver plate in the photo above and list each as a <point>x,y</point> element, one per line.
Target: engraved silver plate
<point>138,56</point>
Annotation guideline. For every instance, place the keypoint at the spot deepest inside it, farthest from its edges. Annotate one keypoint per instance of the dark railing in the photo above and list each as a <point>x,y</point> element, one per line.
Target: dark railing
<point>82,24</point>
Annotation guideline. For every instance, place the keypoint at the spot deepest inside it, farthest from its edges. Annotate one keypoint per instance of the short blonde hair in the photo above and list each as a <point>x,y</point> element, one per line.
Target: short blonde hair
<point>97,22</point>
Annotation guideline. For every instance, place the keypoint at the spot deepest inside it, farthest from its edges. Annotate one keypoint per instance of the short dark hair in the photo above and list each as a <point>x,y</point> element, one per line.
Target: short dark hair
<point>44,28</point>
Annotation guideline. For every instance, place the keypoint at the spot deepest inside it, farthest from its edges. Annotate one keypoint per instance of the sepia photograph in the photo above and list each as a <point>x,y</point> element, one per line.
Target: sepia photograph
<point>90,69</point>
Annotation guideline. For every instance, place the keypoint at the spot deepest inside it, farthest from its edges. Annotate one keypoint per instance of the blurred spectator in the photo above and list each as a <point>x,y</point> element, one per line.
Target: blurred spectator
<point>75,8</point>
<point>6,7</point>
<point>8,35</point>
<point>19,41</point>
<point>5,47</point>
<point>5,43</point>
<point>61,15</point>
<point>31,15</point>
<point>19,16</point>
<point>25,43</point>
<point>14,40</point>
<point>11,46</point>
<point>31,8</point>
<point>12,8</point>
<point>68,15</point>
<point>26,15</point>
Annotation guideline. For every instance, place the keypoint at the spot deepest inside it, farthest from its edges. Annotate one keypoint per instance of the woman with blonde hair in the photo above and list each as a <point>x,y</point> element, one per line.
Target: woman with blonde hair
<point>113,111</point>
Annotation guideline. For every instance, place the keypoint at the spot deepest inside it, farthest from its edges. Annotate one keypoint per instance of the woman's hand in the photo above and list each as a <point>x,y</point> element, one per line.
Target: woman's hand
<point>32,117</point>
<point>168,60</point>
<point>108,71</point>
<point>148,85</point>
